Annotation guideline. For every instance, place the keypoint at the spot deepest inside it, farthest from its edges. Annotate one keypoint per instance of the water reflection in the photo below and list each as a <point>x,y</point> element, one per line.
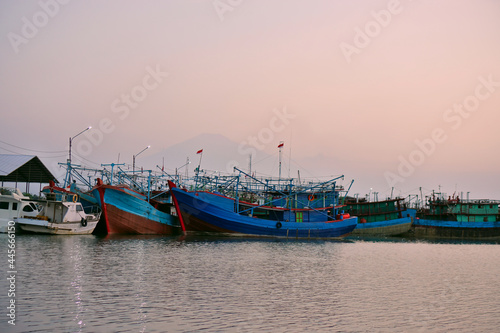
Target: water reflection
<point>72,247</point>
<point>158,284</point>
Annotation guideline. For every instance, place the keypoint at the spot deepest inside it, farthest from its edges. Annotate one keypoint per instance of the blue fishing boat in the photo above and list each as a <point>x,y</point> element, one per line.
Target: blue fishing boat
<point>389,217</point>
<point>455,218</point>
<point>289,212</point>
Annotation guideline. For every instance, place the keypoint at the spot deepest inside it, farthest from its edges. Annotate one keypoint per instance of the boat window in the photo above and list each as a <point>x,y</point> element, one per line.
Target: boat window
<point>27,209</point>
<point>14,206</point>
<point>79,208</point>
<point>4,205</point>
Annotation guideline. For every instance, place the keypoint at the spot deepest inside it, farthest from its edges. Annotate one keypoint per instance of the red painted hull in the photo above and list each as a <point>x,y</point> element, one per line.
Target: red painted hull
<point>120,222</point>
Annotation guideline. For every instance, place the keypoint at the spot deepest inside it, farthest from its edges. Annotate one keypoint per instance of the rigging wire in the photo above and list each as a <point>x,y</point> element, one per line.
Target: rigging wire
<point>81,158</point>
<point>284,164</point>
<point>34,150</point>
<point>10,151</point>
<point>39,155</point>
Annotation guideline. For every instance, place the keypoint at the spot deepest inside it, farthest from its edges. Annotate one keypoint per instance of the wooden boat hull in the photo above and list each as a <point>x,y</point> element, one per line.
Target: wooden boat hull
<point>128,212</point>
<point>383,228</point>
<point>120,221</point>
<point>423,228</point>
<point>381,218</point>
<point>203,216</point>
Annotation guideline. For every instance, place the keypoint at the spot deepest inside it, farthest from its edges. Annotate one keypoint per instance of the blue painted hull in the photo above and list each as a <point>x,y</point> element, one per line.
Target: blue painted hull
<point>206,215</point>
<point>454,229</point>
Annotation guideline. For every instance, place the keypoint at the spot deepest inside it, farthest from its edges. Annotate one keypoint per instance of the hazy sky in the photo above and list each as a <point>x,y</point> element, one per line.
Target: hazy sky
<point>390,93</point>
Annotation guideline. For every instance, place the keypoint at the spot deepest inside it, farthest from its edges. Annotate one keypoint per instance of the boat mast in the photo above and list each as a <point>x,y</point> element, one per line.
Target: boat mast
<point>200,152</point>
<point>250,164</point>
<point>290,156</point>
<point>345,196</point>
<point>421,198</point>
<point>279,147</point>
<point>112,171</point>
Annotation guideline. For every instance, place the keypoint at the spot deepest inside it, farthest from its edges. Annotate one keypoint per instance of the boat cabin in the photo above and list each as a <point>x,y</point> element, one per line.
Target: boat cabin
<point>14,204</point>
<point>454,209</point>
<point>63,211</point>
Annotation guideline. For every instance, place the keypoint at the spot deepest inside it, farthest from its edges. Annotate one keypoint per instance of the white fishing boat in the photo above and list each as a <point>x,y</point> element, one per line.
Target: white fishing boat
<point>61,218</point>
<point>14,204</point>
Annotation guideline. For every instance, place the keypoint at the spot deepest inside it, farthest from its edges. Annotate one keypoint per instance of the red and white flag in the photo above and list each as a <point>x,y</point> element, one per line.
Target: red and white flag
<point>199,151</point>
<point>281,144</point>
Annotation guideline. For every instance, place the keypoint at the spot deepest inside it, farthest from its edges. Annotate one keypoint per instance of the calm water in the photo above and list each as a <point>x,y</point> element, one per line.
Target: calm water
<point>159,284</point>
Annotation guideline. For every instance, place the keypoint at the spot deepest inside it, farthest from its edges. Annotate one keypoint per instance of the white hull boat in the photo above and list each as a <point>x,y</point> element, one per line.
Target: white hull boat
<point>61,218</point>
<point>14,204</point>
<point>55,228</point>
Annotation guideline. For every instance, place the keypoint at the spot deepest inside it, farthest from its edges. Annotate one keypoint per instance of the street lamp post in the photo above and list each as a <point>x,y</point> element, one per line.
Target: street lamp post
<point>133,160</point>
<point>71,141</point>
<point>188,162</point>
<point>67,180</point>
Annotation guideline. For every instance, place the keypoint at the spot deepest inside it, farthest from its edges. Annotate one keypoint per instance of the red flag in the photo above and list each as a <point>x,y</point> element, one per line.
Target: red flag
<point>199,151</point>
<point>281,144</point>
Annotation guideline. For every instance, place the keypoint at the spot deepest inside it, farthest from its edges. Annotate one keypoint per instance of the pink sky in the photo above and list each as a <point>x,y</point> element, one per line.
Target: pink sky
<point>223,66</point>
